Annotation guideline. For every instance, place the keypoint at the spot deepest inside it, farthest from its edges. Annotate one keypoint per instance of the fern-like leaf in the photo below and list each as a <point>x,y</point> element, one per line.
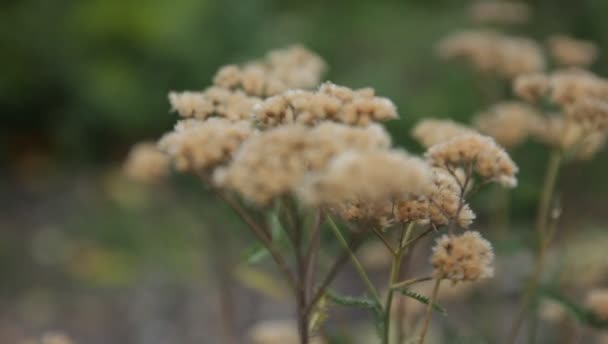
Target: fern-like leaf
<point>360,302</point>
<point>422,299</point>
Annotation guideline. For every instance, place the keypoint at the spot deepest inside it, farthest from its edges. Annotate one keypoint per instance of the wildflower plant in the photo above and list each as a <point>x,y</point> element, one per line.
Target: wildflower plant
<point>273,142</point>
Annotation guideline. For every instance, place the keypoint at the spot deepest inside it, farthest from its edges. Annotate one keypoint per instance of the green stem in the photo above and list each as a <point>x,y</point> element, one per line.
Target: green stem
<point>429,311</point>
<point>544,238</point>
<point>394,278</point>
<point>360,270</point>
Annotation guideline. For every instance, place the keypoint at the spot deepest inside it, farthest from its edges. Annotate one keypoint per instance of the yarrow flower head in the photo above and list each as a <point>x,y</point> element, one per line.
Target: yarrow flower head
<point>465,257</point>
<point>488,159</point>
<point>509,123</point>
<point>274,162</point>
<point>531,87</point>
<point>371,178</point>
<point>500,12</point>
<point>214,101</point>
<point>429,132</point>
<point>569,85</point>
<point>281,70</point>
<point>329,103</point>
<point>493,53</point>
<point>590,113</point>
<point>147,163</point>
<point>571,52</point>
<point>439,207</point>
<point>200,146</point>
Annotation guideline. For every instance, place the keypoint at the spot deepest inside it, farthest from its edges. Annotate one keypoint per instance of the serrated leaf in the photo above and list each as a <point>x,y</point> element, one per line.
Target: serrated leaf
<point>422,299</point>
<point>360,302</point>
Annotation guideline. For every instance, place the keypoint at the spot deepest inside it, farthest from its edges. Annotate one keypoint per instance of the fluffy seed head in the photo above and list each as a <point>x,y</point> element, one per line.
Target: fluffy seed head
<point>277,332</point>
<point>488,159</point>
<point>509,123</point>
<point>531,87</point>
<point>571,52</point>
<point>274,162</point>
<point>429,132</point>
<point>214,101</point>
<point>146,163</point>
<point>439,207</point>
<point>570,85</point>
<point>590,113</point>
<point>279,71</point>
<point>466,257</point>
<point>329,103</point>
<point>493,53</point>
<point>371,178</point>
<point>500,12</point>
<point>559,132</point>
<point>202,145</point>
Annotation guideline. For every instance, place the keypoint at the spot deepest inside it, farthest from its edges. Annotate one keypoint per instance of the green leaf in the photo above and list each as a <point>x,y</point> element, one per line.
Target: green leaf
<point>422,299</point>
<point>360,302</point>
<point>254,254</point>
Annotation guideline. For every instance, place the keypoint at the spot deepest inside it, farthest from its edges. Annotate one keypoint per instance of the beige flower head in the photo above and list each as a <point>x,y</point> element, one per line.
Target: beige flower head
<point>372,178</point>
<point>569,85</point>
<point>465,257</point>
<point>147,163</point>
<point>214,101</point>
<point>500,12</point>
<point>329,103</point>
<point>203,145</point>
<point>531,87</point>
<point>597,301</point>
<point>279,71</point>
<point>509,123</point>
<point>493,53</point>
<point>560,132</point>
<point>439,207</point>
<point>274,162</point>
<point>571,52</point>
<point>488,159</point>
<point>429,132</point>
<point>590,113</point>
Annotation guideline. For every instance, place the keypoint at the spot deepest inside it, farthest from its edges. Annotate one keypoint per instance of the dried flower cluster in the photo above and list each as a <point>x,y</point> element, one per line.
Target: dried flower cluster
<point>214,101</point>
<point>509,123</point>
<point>330,103</point>
<point>146,163</point>
<point>466,257</point>
<point>275,162</point>
<point>439,207</point>
<point>500,12</point>
<point>571,52</point>
<point>493,53</point>
<point>200,145</point>
<point>371,177</point>
<point>429,132</point>
<point>479,152</point>
<point>531,87</point>
<point>597,301</point>
<point>290,68</point>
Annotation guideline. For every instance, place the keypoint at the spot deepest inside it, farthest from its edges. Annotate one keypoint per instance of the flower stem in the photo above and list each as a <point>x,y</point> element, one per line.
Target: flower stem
<point>429,309</point>
<point>544,238</point>
<point>394,278</point>
<point>360,270</point>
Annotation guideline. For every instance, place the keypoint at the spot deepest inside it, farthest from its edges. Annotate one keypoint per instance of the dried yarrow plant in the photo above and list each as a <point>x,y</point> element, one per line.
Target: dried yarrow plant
<point>269,139</point>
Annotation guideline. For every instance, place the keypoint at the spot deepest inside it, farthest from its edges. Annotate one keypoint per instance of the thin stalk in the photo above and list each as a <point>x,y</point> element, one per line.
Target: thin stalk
<point>360,270</point>
<point>543,234</point>
<point>411,281</point>
<point>394,278</point>
<point>429,311</point>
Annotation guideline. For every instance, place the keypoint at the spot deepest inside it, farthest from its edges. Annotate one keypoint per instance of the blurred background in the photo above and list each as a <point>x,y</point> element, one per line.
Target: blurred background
<point>85,252</point>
